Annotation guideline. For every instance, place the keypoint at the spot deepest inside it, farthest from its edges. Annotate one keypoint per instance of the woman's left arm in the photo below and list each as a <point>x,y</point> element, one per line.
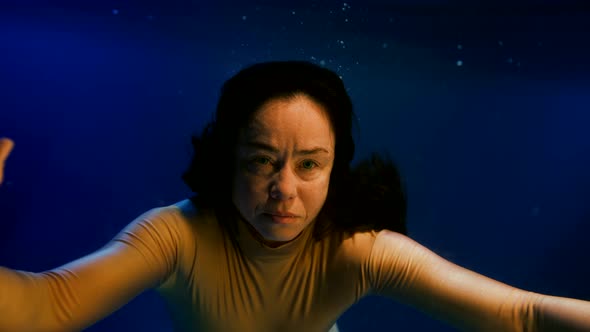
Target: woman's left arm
<point>562,314</point>
<point>401,268</point>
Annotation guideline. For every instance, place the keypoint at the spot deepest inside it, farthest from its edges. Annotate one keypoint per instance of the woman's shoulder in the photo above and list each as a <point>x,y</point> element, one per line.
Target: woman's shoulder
<point>174,221</point>
<point>182,211</point>
<point>361,244</point>
<point>353,246</point>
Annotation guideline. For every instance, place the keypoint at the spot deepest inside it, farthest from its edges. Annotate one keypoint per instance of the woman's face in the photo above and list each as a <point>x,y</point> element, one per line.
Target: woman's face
<point>284,161</point>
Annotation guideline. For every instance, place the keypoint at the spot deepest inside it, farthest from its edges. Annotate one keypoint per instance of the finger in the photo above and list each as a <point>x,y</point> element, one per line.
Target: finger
<point>6,145</point>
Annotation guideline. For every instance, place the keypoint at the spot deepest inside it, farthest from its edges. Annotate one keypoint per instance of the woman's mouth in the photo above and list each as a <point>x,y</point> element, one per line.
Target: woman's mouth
<point>281,218</point>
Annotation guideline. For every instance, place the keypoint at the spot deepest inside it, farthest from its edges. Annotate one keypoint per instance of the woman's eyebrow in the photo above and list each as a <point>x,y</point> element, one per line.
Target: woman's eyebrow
<point>270,148</point>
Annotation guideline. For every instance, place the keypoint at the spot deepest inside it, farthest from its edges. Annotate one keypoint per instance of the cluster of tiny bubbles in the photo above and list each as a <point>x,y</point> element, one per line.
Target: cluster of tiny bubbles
<point>116,11</point>
<point>295,13</point>
<point>345,7</point>
<point>459,63</point>
<point>323,63</point>
<point>509,60</point>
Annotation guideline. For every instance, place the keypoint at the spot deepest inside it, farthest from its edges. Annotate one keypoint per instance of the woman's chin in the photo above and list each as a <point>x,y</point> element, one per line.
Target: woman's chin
<point>276,237</point>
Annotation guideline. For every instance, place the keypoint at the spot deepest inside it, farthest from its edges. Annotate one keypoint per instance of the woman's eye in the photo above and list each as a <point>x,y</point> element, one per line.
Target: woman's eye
<point>259,165</point>
<point>308,164</point>
<point>262,160</point>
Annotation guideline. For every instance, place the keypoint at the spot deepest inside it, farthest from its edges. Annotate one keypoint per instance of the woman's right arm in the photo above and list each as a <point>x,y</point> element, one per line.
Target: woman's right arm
<point>84,291</point>
<point>78,294</point>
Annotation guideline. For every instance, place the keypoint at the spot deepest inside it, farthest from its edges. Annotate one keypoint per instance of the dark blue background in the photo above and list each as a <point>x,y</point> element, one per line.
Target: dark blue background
<point>485,108</point>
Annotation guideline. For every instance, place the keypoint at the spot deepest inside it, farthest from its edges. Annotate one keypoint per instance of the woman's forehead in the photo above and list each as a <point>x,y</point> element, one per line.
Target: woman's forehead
<point>297,121</point>
<point>289,115</point>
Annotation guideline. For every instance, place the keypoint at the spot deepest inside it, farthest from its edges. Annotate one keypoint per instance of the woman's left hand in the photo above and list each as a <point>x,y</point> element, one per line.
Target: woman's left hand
<point>6,145</point>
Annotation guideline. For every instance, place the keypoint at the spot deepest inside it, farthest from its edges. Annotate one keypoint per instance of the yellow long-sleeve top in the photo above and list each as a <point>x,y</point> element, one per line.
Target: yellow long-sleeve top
<point>214,283</point>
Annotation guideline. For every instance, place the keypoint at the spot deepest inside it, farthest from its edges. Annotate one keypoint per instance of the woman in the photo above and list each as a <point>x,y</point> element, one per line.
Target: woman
<point>280,236</point>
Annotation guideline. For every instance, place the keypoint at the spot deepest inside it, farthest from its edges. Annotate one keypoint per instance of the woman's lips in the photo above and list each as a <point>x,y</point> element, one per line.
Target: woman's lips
<point>282,218</point>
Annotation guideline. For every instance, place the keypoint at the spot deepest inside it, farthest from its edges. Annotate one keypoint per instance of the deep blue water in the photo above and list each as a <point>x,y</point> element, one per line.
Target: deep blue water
<point>486,110</point>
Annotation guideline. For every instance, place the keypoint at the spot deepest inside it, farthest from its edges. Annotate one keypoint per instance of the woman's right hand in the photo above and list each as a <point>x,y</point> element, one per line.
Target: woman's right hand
<point>6,145</point>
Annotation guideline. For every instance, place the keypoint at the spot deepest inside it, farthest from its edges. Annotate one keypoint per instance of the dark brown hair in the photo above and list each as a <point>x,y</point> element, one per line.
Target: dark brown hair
<point>209,173</point>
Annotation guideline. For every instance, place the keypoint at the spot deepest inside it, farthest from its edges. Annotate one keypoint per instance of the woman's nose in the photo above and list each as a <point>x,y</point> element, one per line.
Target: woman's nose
<point>284,187</point>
